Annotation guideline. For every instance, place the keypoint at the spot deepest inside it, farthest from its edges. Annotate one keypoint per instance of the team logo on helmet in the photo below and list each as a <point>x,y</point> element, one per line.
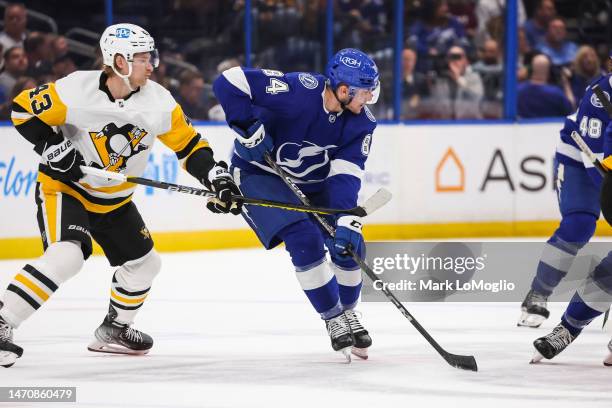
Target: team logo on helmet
<point>350,62</point>
<point>308,80</point>
<point>116,145</point>
<point>122,32</point>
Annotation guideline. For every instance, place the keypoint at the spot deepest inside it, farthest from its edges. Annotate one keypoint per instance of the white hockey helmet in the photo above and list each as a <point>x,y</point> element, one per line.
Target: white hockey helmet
<point>126,40</point>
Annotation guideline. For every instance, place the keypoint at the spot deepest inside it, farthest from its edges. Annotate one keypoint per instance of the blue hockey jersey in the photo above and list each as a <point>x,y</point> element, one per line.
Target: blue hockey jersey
<point>321,150</point>
<point>590,121</point>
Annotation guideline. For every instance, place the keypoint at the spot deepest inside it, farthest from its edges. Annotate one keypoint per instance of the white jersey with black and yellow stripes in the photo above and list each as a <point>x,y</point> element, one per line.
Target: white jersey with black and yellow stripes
<point>116,135</point>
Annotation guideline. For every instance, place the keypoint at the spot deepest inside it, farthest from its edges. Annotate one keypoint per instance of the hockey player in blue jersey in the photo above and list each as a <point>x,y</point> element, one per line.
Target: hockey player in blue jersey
<point>577,185</point>
<point>594,296</point>
<point>319,130</point>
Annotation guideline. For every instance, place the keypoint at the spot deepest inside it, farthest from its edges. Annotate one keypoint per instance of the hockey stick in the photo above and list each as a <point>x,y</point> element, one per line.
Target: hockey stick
<point>589,153</point>
<point>372,204</point>
<point>457,361</point>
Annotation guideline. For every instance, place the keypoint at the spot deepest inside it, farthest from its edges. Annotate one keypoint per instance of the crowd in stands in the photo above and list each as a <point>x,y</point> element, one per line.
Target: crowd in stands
<point>452,61</point>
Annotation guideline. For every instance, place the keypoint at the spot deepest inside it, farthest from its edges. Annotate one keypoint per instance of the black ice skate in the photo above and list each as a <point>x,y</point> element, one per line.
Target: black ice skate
<point>552,344</point>
<point>361,337</point>
<point>9,351</point>
<point>533,309</point>
<point>117,338</point>
<point>340,335</point>
<point>608,360</point>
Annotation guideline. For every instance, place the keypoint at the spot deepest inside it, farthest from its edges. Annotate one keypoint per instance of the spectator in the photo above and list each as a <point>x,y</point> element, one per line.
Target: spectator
<point>538,99</point>
<point>22,83</point>
<point>491,71</point>
<point>555,46</point>
<point>363,23</point>
<point>15,65</point>
<point>39,49</point>
<point>62,66</point>
<point>535,27</point>
<point>489,14</point>
<point>414,85</point>
<point>434,34</point>
<point>458,92</point>
<point>191,93</point>
<point>586,68</point>
<point>15,19</point>
<point>60,46</point>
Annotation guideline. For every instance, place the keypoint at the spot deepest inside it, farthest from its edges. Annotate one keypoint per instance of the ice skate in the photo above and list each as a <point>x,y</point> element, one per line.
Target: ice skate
<point>361,337</point>
<point>552,344</point>
<point>340,335</point>
<point>117,338</point>
<point>608,361</point>
<point>534,310</point>
<point>9,351</point>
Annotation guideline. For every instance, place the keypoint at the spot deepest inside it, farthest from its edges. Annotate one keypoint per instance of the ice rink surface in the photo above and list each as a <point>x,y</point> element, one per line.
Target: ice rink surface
<point>233,329</point>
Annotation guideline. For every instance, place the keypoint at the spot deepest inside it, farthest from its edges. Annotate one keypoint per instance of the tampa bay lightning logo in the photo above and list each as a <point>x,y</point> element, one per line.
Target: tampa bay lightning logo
<point>595,100</point>
<point>299,160</point>
<point>308,80</point>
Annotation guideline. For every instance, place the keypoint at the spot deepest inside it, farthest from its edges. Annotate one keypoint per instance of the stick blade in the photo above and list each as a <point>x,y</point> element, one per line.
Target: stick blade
<point>462,362</point>
<point>376,201</point>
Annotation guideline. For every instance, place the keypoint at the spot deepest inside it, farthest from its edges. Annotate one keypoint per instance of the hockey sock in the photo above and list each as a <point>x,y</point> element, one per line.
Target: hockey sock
<point>321,288</point>
<point>304,242</point>
<point>575,231</point>
<point>131,284</point>
<point>36,282</point>
<point>349,285</point>
<point>578,315</point>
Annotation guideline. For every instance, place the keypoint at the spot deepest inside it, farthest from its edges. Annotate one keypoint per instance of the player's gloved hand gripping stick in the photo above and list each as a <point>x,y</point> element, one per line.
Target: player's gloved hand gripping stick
<point>371,205</point>
<point>458,361</point>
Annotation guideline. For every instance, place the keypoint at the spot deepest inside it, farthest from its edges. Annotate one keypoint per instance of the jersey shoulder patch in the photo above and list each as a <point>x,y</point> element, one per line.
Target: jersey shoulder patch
<point>308,80</point>
<point>369,114</point>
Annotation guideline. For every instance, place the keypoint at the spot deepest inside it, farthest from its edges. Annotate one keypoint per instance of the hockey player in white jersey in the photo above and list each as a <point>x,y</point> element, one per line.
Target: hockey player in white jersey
<point>107,119</point>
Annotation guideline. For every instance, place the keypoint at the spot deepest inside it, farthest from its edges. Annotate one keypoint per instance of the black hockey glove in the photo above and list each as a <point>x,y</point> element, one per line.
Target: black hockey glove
<point>63,159</point>
<point>220,181</point>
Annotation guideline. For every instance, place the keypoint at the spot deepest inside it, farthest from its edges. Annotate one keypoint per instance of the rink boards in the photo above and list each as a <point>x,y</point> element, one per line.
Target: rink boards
<point>447,181</point>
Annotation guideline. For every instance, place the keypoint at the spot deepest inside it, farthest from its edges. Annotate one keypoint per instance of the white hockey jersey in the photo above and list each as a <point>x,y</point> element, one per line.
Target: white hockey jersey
<point>116,135</point>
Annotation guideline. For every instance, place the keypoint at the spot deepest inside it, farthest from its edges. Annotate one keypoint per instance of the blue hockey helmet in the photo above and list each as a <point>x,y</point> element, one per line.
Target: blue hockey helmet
<point>355,69</point>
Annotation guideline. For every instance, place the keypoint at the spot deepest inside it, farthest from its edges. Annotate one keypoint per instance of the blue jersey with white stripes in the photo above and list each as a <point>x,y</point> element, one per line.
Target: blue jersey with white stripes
<point>322,150</point>
<point>590,122</point>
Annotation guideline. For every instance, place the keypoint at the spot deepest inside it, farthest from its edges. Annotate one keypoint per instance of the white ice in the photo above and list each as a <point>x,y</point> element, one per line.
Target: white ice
<point>233,329</point>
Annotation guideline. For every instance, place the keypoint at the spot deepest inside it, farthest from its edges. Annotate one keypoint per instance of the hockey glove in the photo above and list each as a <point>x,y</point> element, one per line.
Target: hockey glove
<point>220,181</point>
<point>253,143</point>
<point>63,159</point>
<point>348,234</point>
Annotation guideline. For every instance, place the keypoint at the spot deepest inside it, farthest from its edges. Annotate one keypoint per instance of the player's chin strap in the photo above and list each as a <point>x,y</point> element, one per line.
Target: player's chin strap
<point>126,78</point>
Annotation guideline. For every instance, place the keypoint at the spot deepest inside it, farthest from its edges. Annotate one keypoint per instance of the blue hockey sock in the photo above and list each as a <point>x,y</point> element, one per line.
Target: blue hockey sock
<point>575,230</point>
<point>349,285</point>
<point>304,242</point>
<point>578,315</point>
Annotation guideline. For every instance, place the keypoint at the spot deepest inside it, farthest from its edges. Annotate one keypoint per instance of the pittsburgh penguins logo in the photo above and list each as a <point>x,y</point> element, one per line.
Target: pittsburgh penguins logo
<point>116,145</point>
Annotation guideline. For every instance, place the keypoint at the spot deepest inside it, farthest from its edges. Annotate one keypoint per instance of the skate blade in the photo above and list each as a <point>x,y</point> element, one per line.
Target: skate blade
<point>608,361</point>
<point>346,352</point>
<point>100,347</point>
<point>537,357</point>
<point>530,320</point>
<point>7,358</point>
<point>362,353</point>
